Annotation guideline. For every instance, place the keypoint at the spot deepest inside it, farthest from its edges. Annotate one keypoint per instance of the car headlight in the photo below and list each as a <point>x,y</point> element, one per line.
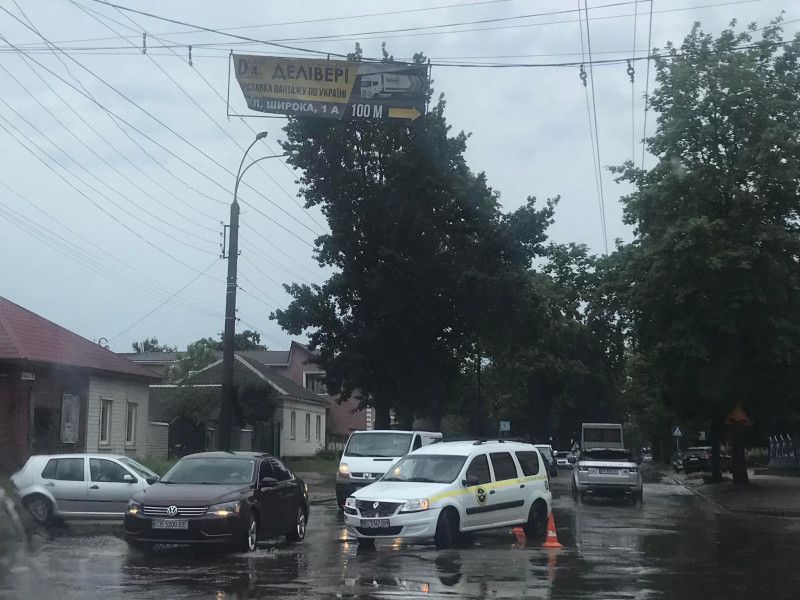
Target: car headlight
<point>226,509</point>
<point>415,505</point>
<point>134,508</point>
<point>350,503</point>
<point>344,470</point>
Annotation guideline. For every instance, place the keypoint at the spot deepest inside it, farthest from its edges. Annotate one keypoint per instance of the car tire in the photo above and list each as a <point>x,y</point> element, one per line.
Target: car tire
<point>298,531</point>
<point>536,526</point>
<point>40,508</point>
<point>446,530</point>
<point>249,537</point>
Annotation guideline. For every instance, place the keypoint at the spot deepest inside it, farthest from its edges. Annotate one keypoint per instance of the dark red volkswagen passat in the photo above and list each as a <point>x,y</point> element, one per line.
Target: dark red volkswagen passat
<point>231,498</point>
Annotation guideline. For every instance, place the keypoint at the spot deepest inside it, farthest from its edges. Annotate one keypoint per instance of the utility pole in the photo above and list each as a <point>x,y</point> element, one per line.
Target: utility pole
<point>229,393</point>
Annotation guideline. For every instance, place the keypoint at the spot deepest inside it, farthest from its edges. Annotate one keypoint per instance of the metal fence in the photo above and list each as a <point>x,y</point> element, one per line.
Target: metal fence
<point>784,452</point>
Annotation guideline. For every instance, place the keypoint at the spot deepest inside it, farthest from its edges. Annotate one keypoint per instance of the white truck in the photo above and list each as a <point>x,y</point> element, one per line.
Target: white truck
<point>601,435</point>
<point>369,454</point>
<point>385,85</point>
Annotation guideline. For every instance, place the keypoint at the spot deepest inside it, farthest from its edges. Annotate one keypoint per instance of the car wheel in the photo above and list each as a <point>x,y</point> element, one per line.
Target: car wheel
<point>298,531</point>
<point>446,530</point>
<point>249,537</point>
<point>41,509</point>
<point>536,526</point>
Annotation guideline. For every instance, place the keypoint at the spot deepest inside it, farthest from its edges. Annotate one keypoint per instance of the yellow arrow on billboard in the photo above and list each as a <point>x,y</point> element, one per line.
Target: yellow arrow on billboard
<point>404,113</point>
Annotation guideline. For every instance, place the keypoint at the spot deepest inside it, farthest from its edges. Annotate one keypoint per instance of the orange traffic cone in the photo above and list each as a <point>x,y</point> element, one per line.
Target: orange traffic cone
<point>552,538</point>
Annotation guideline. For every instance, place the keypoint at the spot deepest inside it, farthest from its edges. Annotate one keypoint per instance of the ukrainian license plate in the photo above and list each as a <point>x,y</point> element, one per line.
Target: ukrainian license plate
<point>170,524</point>
<point>374,523</point>
<point>609,471</point>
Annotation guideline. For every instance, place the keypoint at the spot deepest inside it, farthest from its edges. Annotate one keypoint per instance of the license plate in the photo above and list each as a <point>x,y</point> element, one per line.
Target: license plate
<point>170,524</point>
<point>609,471</point>
<point>374,523</point>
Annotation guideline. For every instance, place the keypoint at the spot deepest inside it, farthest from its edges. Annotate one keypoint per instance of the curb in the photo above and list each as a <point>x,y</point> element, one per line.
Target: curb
<point>765,512</point>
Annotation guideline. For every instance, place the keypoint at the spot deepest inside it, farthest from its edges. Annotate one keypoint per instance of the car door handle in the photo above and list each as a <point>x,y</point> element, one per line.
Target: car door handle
<point>94,487</point>
<point>491,491</point>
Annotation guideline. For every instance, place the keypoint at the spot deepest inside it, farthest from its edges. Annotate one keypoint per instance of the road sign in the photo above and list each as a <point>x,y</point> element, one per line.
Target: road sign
<point>505,426</point>
<point>701,436</point>
<point>333,89</point>
<point>676,432</point>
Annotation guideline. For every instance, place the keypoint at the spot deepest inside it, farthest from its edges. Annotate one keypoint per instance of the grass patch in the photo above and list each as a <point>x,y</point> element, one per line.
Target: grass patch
<point>159,465</point>
<point>314,464</point>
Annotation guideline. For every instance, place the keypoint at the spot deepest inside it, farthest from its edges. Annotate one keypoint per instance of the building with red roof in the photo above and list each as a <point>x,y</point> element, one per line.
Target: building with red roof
<point>60,392</point>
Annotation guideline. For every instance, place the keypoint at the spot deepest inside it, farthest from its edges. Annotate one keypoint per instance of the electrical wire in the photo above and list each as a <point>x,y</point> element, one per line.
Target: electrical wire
<point>164,125</point>
<point>633,87</point>
<point>190,282</point>
<point>596,130</point>
<point>647,85</point>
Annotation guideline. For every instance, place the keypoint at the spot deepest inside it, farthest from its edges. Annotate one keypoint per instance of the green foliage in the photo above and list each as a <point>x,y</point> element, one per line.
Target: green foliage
<point>206,350</point>
<point>151,345</point>
<point>157,465</point>
<point>711,280</point>
<point>426,266</point>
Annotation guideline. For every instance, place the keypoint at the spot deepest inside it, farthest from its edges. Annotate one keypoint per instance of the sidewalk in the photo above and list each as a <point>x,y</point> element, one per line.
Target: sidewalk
<point>320,487</point>
<point>773,495</point>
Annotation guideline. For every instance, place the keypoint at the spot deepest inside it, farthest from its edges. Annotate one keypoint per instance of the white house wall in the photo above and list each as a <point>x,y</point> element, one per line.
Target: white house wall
<point>120,392</point>
<point>298,446</point>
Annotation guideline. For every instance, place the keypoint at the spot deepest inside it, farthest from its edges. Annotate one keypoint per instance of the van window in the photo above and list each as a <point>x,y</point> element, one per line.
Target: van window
<point>479,468</point>
<point>384,444</point>
<point>529,461</point>
<point>417,442</point>
<point>504,467</point>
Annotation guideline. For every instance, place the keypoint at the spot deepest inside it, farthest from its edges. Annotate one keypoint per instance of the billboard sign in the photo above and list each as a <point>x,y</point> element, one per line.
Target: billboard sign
<point>333,89</point>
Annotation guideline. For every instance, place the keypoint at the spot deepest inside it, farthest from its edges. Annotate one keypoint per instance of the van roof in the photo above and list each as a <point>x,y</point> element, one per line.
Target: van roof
<point>409,431</point>
<point>469,447</point>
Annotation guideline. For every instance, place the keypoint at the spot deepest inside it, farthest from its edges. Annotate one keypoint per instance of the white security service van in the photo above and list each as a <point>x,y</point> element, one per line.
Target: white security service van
<point>446,489</point>
<point>369,454</point>
<point>601,435</point>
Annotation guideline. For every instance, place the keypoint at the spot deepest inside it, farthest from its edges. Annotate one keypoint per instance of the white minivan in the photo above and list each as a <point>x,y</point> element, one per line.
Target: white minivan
<point>369,454</point>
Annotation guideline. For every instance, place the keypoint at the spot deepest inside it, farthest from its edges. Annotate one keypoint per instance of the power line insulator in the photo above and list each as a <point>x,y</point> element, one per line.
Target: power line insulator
<point>631,71</point>
<point>190,56</point>
<point>583,76</point>
<point>144,43</point>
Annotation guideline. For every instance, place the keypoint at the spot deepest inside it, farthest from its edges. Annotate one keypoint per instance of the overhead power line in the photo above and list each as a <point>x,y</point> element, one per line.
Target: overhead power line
<point>647,84</point>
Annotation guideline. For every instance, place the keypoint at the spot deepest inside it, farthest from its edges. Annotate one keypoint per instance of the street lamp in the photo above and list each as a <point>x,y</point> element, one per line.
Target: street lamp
<point>228,390</point>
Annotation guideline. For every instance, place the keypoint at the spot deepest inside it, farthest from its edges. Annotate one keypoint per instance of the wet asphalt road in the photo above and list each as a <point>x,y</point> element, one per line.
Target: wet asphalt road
<point>674,546</point>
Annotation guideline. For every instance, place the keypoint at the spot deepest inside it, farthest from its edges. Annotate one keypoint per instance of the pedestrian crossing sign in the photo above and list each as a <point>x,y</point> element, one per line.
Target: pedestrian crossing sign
<point>676,432</point>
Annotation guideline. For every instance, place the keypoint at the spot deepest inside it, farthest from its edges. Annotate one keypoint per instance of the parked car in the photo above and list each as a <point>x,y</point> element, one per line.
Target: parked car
<point>549,458</point>
<point>74,486</point>
<point>607,472</point>
<point>565,459</point>
<point>446,489</point>
<point>230,498</point>
<point>698,459</point>
<point>369,454</point>
<point>677,461</point>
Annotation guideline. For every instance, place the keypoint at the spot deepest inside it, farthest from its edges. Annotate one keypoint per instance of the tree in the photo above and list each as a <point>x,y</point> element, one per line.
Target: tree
<point>711,277</point>
<point>151,345</point>
<point>425,263</point>
<point>203,352</point>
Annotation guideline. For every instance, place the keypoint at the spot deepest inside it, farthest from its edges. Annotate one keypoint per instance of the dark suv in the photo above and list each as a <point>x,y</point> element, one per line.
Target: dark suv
<point>233,498</point>
<point>698,459</point>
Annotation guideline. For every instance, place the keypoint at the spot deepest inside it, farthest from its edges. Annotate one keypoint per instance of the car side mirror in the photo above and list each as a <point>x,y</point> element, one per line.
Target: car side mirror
<point>269,482</point>
<point>129,478</point>
<point>151,480</point>
<point>470,481</point>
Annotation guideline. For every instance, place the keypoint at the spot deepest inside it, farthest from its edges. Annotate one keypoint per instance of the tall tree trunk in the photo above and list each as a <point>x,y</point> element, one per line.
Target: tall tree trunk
<point>382,418</point>
<point>740,476</point>
<point>716,467</point>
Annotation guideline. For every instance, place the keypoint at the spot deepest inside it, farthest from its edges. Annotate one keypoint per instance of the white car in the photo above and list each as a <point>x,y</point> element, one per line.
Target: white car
<point>607,472</point>
<point>80,485</point>
<point>369,454</point>
<point>445,489</point>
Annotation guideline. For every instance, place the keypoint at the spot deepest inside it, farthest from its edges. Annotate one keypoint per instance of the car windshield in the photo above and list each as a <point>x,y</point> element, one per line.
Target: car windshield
<point>426,469</point>
<point>386,445</point>
<point>609,454</point>
<point>545,452</point>
<point>139,468</point>
<point>210,471</point>
<point>562,454</point>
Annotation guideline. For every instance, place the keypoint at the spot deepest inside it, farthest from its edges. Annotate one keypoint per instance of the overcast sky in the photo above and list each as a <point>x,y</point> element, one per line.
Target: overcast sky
<point>145,224</point>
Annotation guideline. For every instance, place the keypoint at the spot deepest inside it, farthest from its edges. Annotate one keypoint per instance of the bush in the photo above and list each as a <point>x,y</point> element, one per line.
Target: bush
<point>328,454</point>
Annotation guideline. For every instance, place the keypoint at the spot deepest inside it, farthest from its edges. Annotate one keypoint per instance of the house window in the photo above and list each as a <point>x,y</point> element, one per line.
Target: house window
<point>105,421</point>
<point>130,423</point>
<point>308,427</point>
<point>316,382</point>
<point>293,425</point>
<point>319,427</point>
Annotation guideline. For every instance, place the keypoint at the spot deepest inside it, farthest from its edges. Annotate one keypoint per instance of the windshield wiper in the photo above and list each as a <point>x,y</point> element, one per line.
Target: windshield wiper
<point>395,479</point>
<point>422,480</point>
<point>352,454</point>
